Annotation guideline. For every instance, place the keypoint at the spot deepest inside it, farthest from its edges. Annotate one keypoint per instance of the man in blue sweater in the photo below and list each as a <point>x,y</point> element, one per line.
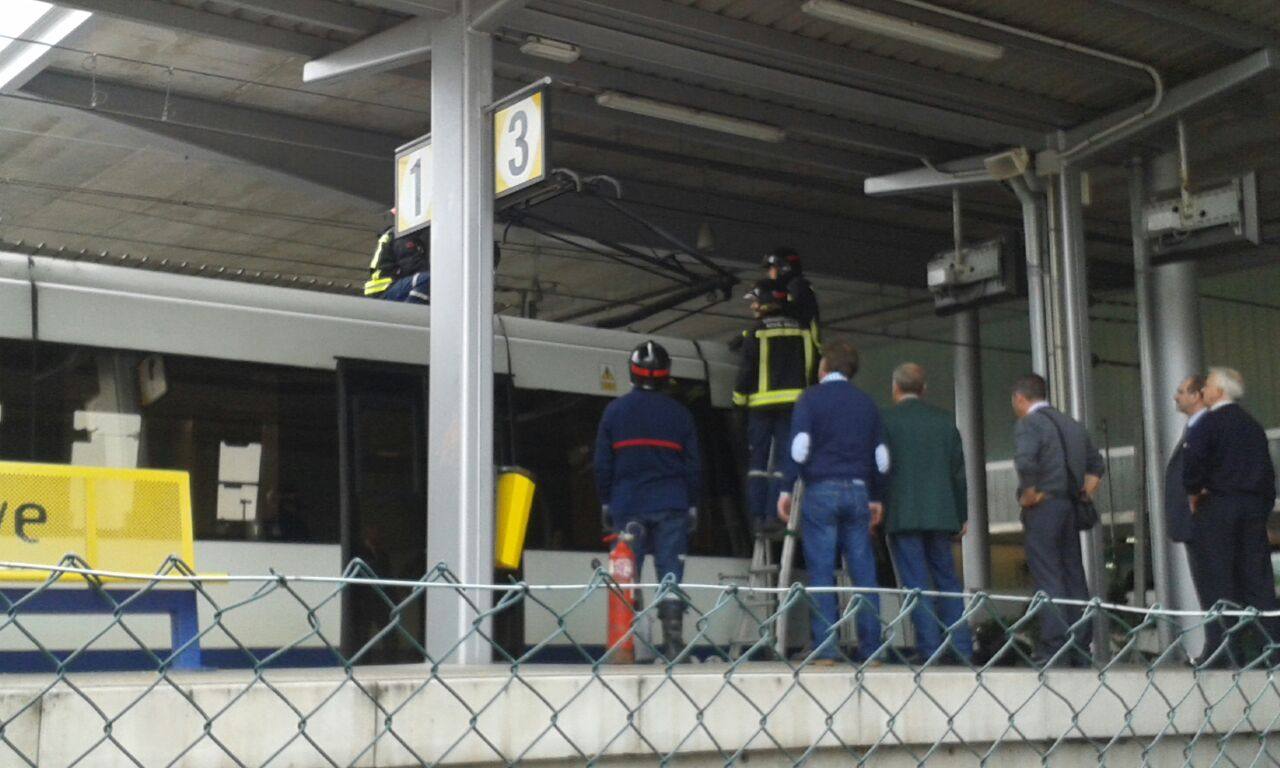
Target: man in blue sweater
<point>838,444</point>
<point>648,471</point>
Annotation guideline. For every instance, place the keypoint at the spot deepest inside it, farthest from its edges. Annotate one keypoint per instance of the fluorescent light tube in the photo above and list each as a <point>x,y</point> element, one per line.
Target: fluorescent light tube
<point>902,29</point>
<point>688,116</point>
<point>42,24</point>
<point>544,48</point>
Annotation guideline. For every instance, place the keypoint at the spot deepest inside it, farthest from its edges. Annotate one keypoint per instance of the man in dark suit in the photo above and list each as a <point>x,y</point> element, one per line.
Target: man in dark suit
<point>1189,400</point>
<point>1231,487</point>
<point>1050,538</point>
<point>926,510</point>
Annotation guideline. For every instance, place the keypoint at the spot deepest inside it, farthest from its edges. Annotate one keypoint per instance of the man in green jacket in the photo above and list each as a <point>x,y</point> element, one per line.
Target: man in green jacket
<point>926,510</point>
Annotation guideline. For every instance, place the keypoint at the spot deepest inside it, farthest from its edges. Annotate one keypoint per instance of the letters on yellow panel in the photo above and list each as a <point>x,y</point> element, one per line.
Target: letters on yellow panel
<point>116,519</point>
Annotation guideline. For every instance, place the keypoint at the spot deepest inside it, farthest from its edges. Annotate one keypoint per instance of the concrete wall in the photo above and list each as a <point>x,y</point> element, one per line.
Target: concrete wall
<point>693,713</point>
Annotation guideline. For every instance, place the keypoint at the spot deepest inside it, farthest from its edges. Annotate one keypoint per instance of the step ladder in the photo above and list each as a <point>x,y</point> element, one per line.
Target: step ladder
<point>763,573</point>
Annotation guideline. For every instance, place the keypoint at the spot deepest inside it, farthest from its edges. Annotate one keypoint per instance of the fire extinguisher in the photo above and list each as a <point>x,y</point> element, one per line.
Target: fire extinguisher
<point>622,599</point>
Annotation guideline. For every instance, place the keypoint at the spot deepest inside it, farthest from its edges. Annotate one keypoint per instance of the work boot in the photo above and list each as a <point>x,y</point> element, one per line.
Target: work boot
<point>671,612</point>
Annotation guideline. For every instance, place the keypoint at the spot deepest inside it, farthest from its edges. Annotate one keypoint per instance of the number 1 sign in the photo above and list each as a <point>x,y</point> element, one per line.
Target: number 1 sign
<point>413,186</point>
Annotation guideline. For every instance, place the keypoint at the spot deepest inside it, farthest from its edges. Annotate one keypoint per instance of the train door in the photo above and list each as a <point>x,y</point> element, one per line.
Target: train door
<point>383,485</point>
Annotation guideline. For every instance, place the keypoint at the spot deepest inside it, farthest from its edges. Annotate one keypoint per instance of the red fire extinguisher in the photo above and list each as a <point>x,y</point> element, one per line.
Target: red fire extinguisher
<point>622,599</point>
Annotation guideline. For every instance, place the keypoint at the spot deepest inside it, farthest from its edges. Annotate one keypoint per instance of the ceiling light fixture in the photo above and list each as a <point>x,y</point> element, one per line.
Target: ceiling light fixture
<point>689,116</point>
<point>42,24</point>
<point>544,48</point>
<point>902,29</point>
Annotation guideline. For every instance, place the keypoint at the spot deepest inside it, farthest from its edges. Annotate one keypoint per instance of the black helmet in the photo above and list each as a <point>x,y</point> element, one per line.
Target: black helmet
<point>650,366</point>
<point>785,259</point>
<point>766,293</point>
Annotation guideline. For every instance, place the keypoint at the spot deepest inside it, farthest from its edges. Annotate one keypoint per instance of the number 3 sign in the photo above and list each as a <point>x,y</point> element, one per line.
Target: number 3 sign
<point>519,148</point>
<point>519,158</point>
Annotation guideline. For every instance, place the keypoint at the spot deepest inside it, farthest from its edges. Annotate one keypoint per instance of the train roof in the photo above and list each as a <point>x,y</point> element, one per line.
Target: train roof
<point>98,305</point>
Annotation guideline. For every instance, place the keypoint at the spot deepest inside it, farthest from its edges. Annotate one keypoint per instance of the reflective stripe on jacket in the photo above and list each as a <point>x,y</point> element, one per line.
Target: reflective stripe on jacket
<point>382,259</point>
<point>779,359</point>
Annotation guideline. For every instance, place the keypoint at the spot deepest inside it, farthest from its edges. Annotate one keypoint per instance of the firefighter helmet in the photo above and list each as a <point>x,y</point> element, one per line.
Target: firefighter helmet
<point>785,259</point>
<point>650,366</point>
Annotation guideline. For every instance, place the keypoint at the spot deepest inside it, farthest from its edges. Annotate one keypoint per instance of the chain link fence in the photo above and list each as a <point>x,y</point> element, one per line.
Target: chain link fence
<point>1166,688</point>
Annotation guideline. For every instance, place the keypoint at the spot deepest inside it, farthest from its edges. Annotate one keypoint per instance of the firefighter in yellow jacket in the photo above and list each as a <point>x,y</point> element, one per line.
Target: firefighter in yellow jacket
<point>779,359</point>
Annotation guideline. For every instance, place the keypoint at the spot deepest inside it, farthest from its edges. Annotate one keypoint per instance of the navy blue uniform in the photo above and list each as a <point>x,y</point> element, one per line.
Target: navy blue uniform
<point>648,470</point>
<point>1226,453</point>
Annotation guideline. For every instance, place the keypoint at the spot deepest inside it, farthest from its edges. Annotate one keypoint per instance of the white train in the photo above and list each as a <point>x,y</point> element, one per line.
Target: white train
<point>301,419</point>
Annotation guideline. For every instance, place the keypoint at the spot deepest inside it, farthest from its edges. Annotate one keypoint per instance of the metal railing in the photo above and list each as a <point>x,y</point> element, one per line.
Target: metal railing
<point>1016,696</point>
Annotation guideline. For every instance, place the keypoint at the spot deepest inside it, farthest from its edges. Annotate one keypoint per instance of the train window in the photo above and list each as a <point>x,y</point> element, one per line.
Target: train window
<point>554,436</point>
<point>64,404</point>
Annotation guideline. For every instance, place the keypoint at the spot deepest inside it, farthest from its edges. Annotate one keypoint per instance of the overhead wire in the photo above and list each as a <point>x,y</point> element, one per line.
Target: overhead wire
<point>214,75</point>
<point>167,120</point>
<point>183,203</point>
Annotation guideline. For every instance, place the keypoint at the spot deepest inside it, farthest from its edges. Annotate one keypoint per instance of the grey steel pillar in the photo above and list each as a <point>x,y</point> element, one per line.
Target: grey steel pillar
<point>976,544</point>
<point>1079,360</point>
<point>460,415</point>
<point>968,393</point>
<point>1033,229</point>
<point>1170,348</point>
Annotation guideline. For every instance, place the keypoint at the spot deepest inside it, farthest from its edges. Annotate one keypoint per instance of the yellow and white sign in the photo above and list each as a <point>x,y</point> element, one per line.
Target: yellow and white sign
<point>116,519</point>
<point>413,186</point>
<point>519,146</point>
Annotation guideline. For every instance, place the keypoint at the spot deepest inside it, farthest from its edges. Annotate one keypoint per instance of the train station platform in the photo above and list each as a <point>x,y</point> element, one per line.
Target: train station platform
<point>568,715</point>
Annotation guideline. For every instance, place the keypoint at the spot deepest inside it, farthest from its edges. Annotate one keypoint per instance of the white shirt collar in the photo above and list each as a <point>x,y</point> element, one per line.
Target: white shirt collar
<point>1223,402</point>
<point>1193,418</point>
<point>908,396</point>
<point>834,376</point>
<point>1037,406</point>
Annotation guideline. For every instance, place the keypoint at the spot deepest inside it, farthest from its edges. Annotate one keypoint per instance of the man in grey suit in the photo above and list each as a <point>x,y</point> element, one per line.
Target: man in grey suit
<point>1050,538</point>
<point>1190,401</point>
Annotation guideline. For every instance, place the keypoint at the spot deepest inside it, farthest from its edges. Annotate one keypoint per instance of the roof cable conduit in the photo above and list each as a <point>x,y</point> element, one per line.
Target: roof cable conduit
<point>1065,154</point>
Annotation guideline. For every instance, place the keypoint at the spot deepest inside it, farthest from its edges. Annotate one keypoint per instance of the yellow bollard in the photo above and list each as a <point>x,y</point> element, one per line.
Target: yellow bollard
<point>515,489</point>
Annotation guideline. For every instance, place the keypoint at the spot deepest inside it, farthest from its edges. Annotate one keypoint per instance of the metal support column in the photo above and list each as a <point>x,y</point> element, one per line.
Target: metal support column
<point>1033,230</point>
<point>976,545</point>
<point>1170,348</point>
<point>1079,360</point>
<point>460,415</point>
<point>968,393</point>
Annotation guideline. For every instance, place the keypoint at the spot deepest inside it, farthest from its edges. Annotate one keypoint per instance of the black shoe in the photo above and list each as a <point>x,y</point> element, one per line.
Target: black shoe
<point>671,614</point>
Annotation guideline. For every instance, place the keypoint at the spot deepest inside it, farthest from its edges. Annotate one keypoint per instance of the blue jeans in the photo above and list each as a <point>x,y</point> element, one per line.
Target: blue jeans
<point>766,430</point>
<point>835,520</point>
<point>924,561</point>
<point>411,289</point>
<point>665,535</point>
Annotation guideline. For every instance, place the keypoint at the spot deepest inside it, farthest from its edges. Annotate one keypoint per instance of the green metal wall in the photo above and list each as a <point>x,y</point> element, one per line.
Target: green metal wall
<point>1240,313</point>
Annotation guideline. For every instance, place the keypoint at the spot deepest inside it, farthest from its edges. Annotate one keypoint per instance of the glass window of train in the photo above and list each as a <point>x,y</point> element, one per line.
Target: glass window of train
<point>42,387</point>
<point>288,411</point>
<point>555,435</point>
<point>15,400</point>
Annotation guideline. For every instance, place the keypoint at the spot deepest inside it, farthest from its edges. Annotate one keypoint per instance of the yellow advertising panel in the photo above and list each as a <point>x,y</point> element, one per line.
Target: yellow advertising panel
<point>116,519</point>
<point>519,144</point>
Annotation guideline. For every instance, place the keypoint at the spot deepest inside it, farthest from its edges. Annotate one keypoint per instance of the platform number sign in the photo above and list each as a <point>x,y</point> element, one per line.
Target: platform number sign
<point>519,144</point>
<point>519,157</point>
<point>413,186</point>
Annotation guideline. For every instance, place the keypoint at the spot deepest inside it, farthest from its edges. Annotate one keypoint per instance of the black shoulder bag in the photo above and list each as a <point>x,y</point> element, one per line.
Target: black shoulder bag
<point>1086,514</point>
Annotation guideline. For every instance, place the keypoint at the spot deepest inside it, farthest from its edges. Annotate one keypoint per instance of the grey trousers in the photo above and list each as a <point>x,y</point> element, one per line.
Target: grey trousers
<point>1052,545</point>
